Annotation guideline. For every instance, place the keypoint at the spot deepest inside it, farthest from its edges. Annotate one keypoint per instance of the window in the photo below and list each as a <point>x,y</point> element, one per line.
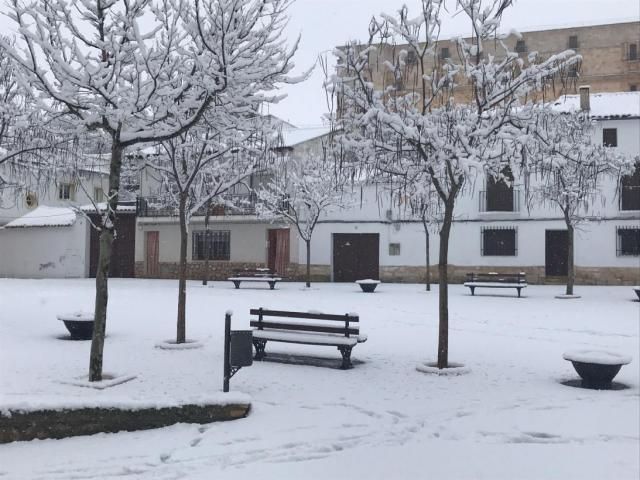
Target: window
<point>521,47</point>
<point>444,53</point>
<point>573,41</point>
<point>216,244</point>
<point>498,241</point>
<point>628,241</point>
<point>98,195</point>
<point>394,249</point>
<point>630,191</point>
<point>573,71</point>
<point>412,57</point>
<point>633,51</point>
<point>610,137</point>
<point>65,191</point>
<point>500,195</point>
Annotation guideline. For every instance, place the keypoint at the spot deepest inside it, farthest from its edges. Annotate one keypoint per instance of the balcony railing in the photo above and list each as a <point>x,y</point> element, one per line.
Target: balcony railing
<point>500,200</point>
<point>236,204</point>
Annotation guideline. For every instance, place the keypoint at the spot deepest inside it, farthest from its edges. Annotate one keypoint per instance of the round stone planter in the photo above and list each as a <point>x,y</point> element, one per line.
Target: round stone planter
<point>368,286</point>
<point>79,324</point>
<point>596,368</point>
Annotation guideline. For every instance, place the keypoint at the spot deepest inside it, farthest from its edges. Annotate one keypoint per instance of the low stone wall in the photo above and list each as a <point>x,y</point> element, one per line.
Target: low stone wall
<point>535,275</point>
<point>18,425</point>
<point>405,274</point>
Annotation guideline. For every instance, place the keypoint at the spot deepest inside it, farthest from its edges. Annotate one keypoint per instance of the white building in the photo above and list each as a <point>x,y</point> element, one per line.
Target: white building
<point>493,229</point>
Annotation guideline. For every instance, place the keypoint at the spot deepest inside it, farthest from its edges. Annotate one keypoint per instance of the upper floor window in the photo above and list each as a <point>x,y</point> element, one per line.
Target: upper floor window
<point>500,195</point>
<point>521,46</point>
<point>573,41</point>
<point>66,191</point>
<point>498,241</point>
<point>444,53</point>
<point>630,191</point>
<point>610,137</point>
<point>633,51</point>
<point>628,241</point>
<point>211,244</point>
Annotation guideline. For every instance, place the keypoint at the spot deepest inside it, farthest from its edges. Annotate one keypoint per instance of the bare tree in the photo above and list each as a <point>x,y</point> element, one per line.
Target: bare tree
<point>103,68</point>
<point>451,114</point>
<point>566,167</point>
<point>203,166</point>
<point>303,187</point>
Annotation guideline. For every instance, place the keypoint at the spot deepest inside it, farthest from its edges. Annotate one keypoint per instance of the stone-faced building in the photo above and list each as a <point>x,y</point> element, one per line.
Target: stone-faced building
<point>610,57</point>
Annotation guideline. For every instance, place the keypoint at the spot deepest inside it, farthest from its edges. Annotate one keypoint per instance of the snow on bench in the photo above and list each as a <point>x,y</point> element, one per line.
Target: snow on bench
<point>496,280</point>
<point>309,328</point>
<point>257,275</point>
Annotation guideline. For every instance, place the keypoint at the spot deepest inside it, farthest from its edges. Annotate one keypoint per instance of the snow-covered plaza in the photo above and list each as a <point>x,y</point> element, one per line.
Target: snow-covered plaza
<point>510,417</point>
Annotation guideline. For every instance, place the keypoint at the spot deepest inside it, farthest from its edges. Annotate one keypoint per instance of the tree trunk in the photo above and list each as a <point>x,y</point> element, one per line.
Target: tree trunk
<point>308,242</point>
<point>104,259</point>
<point>443,329</point>
<point>182,270</point>
<point>427,260</point>
<point>205,276</point>
<point>571,274</point>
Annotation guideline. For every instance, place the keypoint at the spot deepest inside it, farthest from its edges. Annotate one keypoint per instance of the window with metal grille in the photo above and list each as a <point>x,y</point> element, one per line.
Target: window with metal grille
<point>499,241</point>
<point>214,244</point>
<point>394,249</point>
<point>610,137</point>
<point>628,241</point>
<point>573,41</point>
<point>521,46</point>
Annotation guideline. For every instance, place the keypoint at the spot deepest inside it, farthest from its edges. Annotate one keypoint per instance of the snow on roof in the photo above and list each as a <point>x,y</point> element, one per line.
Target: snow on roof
<point>103,206</point>
<point>292,137</point>
<point>607,105</point>
<point>44,216</point>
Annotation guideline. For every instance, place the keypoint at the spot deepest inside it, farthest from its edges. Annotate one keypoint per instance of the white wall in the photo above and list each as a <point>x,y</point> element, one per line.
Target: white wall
<point>45,252</point>
<point>13,205</point>
<point>248,240</point>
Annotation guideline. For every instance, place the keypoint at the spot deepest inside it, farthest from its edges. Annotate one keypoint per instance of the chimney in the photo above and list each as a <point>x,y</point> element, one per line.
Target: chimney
<point>584,98</point>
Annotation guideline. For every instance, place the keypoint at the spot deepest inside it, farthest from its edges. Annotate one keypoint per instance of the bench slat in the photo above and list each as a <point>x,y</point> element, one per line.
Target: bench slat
<point>304,338</point>
<point>304,327</point>
<point>306,315</point>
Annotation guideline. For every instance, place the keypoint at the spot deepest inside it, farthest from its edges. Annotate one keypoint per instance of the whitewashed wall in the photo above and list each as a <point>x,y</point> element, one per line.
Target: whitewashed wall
<point>45,252</point>
<point>13,205</point>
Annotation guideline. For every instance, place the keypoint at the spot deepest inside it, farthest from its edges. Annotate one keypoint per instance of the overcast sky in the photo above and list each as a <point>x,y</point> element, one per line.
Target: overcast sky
<point>325,24</point>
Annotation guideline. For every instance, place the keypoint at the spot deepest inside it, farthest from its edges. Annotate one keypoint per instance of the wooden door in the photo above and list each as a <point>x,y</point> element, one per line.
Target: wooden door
<point>278,253</point>
<point>356,256</point>
<point>122,263</point>
<point>152,249</point>
<point>556,253</point>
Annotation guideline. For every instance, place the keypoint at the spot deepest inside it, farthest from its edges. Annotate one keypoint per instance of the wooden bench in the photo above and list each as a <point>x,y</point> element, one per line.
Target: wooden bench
<point>496,280</point>
<point>308,328</point>
<point>263,275</point>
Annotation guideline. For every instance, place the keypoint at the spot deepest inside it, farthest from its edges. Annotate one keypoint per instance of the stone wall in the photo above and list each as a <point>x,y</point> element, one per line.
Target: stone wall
<point>18,425</point>
<point>535,275</point>
<point>404,274</point>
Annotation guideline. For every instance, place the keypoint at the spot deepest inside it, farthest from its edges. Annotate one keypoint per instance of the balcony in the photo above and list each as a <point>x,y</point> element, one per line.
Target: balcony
<point>500,200</point>
<point>235,204</point>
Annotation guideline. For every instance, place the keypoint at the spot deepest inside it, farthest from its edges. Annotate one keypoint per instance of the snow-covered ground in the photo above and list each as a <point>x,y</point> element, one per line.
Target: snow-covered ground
<point>508,418</point>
